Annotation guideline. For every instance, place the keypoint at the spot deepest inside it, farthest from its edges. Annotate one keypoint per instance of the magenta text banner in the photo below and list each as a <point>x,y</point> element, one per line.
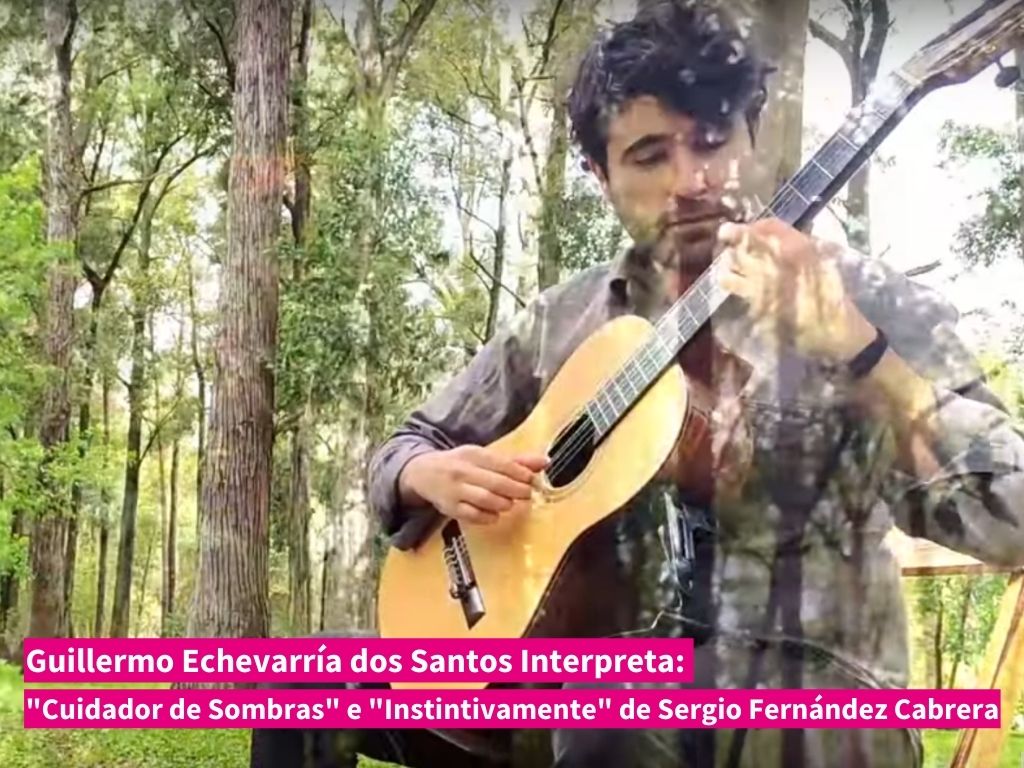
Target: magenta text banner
<point>579,708</point>
<point>335,660</point>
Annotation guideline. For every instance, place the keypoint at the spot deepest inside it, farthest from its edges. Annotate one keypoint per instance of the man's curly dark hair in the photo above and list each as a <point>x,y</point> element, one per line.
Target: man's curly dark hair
<point>689,54</point>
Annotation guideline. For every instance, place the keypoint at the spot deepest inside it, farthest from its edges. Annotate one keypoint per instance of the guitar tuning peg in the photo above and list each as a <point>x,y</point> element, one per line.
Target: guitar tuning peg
<point>1006,76</point>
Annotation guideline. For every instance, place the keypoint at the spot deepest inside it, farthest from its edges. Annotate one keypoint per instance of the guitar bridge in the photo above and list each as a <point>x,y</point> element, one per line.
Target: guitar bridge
<point>462,584</point>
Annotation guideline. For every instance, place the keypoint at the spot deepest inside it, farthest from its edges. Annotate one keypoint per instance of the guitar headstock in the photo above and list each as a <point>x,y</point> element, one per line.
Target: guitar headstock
<point>970,46</point>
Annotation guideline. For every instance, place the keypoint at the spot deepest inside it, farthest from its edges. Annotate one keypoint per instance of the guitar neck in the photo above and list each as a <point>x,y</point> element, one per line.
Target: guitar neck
<point>796,202</point>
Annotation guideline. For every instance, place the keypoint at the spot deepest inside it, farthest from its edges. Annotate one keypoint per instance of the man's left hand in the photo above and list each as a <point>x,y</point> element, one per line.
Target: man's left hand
<point>794,291</point>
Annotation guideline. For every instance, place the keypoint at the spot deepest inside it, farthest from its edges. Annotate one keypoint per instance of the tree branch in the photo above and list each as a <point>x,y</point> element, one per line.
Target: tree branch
<point>111,184</point>
<point>157,428</point>
<point>225,52</point>
<point>876,41</point>
<point>463,209</point>
<point>173,176</point>
<point>404,41</point>
<point>116,71</point>
<point>480,265</point>
<point>126,236</point>
<point>820,32</point>
<point>455,117</point>
<point>528,136</point>
<point>549,39</point>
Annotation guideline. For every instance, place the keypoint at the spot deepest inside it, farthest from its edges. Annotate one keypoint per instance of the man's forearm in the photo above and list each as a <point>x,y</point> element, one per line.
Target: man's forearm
<point>893,391</point>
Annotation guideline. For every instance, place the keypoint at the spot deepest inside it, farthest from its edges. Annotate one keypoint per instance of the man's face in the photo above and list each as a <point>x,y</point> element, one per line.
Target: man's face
<point>671,183</point>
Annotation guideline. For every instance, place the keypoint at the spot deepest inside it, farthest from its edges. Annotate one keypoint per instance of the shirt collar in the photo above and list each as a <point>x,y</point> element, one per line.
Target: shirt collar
<point>634,281</point>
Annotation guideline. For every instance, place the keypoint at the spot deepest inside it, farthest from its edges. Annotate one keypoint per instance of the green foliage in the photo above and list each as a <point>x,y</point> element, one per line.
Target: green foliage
<point>939,747</point>
<point>323,325</point>
<point>589,233</point>
<point>979,596</point>
<point>995,233</point>
<point>23,263</point>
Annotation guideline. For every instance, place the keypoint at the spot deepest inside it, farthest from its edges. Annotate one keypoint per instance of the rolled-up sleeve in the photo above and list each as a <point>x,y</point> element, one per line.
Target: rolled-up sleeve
<point>484,401</point>
<point>974,504</point>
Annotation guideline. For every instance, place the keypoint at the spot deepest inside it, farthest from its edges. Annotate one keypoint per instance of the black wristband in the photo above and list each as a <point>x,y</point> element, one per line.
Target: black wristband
<point>861,365</point>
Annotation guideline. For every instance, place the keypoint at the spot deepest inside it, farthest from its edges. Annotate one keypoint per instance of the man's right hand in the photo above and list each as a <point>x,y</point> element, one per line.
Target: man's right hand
<point>469,483</point>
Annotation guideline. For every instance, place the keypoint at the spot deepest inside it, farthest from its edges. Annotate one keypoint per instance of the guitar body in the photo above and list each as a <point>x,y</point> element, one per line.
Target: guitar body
<point>516,560</point>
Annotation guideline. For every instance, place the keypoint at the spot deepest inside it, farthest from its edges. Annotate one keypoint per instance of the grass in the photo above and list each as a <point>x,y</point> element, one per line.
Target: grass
<point>194,748</point>
<point>939,746</point>
<point>107,748</point>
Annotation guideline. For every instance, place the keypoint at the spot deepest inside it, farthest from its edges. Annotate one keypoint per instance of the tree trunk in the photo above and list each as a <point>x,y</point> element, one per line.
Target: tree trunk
<point>200,371</point>
<point>142,585</point>
<point>349,553</point>
<point>498,267</point>
<point>84,441</point>
<point>232,585</point>
<point>780,30</point>
<point>121,611</point>
<point>161,464</point>
<point>352,557</point>
<point>104,542</point>
<point>965,611</point>
<point>9,580</point>
<point>171,542</point>
<point>937,645</point>
<point>299,569</point>
<point>47,543</point>
<point>860,50</point>
<point>299,575</point>
<point>549,257</point>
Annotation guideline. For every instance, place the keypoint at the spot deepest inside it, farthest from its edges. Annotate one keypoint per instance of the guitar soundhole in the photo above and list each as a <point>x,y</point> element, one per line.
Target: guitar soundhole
<point>571,452</point>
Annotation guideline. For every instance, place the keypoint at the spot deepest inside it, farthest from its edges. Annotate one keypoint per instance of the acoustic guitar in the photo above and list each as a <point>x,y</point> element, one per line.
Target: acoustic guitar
<point>614,411</point>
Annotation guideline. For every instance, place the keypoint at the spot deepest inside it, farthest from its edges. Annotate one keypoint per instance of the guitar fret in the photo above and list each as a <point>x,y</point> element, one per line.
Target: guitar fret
<point>822,168</point>
<point>629,379</point>
<point>842,136</point>
<point>797,192</point>
<point>618,392</point>
<point>666,352</point>
<point>597,418</point>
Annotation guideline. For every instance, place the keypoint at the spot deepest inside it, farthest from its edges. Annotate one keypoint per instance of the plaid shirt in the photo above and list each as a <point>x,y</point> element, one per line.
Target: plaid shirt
<point>822,489</point>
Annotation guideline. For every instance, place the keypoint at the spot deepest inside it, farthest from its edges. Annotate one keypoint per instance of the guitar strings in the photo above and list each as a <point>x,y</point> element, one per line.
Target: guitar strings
<point>579,439</point>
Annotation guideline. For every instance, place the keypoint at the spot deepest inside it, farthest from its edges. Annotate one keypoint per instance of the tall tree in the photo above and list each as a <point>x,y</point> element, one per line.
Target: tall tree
<point>61,194</point>
<point>860,51</point>
<point>556,35</point>
<point>379,46</point>
<point>299,568</point>
<point>149,161</point>
<point>103,544</point>
<point>781,30</point>
<point>232,586</point>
